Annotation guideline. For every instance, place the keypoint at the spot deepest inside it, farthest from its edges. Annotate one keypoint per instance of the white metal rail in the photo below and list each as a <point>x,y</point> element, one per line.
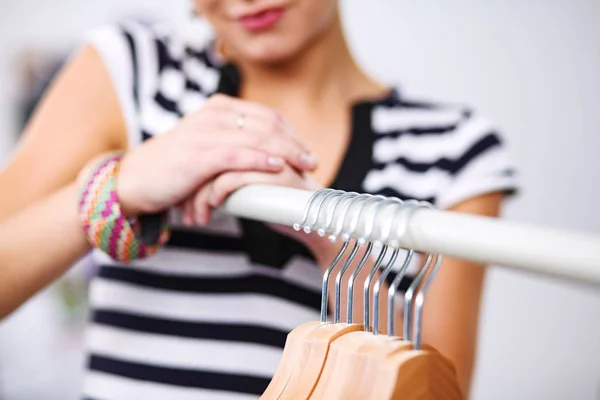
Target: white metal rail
<point>567,255</point>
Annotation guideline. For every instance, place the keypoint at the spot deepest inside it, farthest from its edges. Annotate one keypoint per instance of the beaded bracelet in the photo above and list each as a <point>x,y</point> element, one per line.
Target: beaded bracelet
<point>103,221</point>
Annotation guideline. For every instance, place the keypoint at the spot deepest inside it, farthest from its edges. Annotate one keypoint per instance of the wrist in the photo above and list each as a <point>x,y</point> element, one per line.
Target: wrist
<point>106,224</point>
<point>125,191</point>
<point>127,207</point>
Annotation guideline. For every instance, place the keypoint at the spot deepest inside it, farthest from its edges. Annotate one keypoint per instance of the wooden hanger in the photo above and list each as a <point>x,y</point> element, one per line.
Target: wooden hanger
<point>309,367</point>
<point>390,364</point>
<point>420,372</point>
<point>315,351</point>
<point>416,375</point>
<point>291,351</point>
<point>340,361</point>
<point>304,384</point>
<point>295,342</point>
<point>377,347</point>
<point>349,353</point>
<point>341,368</point>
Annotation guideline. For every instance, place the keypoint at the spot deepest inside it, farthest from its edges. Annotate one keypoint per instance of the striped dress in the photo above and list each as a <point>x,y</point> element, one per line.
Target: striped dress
<point>208,316</point>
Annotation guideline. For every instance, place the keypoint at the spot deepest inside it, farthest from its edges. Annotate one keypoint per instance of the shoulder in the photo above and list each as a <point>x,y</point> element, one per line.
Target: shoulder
<point>450,134</point>
<point>422,117</point>
<point>159,73</point>
<point>142,33</point>
<point>441,152</point>
<point>156,48</point>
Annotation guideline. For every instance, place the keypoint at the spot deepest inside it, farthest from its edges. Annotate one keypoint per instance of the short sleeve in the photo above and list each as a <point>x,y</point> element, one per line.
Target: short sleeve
<point>481,165</point>
<point>159,74</point>
<point>121,48</point>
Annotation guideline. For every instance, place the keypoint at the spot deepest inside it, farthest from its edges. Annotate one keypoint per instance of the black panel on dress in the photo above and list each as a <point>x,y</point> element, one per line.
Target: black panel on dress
<point>267,247</point>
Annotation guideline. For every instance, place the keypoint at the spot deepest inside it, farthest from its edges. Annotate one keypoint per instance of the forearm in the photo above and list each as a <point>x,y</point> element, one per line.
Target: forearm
<point>37,245</point>
<point>451,315</point>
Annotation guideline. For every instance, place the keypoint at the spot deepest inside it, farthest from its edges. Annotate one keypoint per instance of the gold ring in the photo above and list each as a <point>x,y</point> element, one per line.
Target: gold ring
<point>241,120</point>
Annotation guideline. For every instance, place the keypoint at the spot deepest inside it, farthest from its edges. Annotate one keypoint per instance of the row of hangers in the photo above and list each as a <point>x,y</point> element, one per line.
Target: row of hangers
<point>337,360</point>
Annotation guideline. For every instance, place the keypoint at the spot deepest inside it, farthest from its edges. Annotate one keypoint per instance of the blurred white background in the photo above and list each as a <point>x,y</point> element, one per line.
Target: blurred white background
<point>533,67</point>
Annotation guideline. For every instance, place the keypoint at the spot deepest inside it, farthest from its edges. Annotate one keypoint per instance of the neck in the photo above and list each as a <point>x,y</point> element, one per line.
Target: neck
<point>319,75</point>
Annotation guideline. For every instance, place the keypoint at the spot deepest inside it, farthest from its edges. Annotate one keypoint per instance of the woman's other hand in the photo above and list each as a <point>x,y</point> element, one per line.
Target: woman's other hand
<point>197,209</point>
<point>227,134</point>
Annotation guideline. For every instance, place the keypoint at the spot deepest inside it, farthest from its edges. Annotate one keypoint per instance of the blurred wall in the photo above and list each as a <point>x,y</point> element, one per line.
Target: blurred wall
<point>532,66</point>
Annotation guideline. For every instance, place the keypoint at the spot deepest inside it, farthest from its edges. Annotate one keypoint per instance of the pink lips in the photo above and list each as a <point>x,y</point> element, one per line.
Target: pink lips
<point>262,20</point>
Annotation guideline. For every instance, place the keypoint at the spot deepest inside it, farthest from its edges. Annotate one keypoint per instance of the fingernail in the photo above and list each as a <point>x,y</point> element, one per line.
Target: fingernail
<point>276,161</point>
<point>309,160</point>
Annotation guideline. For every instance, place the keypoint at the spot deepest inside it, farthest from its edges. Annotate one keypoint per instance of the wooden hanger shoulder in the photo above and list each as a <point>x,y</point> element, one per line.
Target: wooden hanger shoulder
<point>338,367</point>
<point>308,368</point>
<point>370,355</point>
<point>293,346</point>
<point>416,374</point>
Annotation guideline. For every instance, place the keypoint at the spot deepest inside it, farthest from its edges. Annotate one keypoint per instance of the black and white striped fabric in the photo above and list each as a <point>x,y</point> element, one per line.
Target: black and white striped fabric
<point>207,317</point>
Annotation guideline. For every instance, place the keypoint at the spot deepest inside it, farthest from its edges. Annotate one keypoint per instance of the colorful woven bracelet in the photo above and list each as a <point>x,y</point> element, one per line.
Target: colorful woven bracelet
<point>103,221</point>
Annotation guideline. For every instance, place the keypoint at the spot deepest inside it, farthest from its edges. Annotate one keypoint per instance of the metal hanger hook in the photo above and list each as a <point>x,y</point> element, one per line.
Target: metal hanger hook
<point>370,224</point>
<point>338,281</point>
<point>300,224</point>
<point>377,288</point>
<point>392,292</point>
<point>362,201</point>
<point>421,300</point>
<point>350,198</point>
<point>408,206</point>
<point>359,267</point>
<point>378,262</point>
<point>337,196</point>
<point>367,285</point>
<point>409,295</point>
<point>319,198</point>
<point>325,282</point>
<point>413,205</point>
<point>377,200</point>
<point>308,208</point>
<point>322,200</point>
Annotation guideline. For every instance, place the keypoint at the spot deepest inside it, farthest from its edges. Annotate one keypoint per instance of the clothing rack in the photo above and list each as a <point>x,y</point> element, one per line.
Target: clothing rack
<point>552,252</point>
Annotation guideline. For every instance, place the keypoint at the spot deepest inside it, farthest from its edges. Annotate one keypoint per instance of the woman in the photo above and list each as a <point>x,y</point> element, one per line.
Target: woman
<point>275,91</point>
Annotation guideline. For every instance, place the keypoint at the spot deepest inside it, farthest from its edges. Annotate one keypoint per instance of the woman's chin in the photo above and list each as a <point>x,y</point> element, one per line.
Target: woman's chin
<point>271,54</point>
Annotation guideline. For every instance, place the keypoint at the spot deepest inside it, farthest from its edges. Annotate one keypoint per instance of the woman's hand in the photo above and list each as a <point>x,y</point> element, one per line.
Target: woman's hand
<point>227,134</point>
<point>197,209</point>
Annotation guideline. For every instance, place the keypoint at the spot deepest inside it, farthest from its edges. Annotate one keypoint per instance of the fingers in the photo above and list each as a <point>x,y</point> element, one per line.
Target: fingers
<point>239,106</point>
<point>229,182</point>
<point>270,143</point>
<point>187,212</point>
<point>226,184</point>
<point>216,192</point>
<point>200,205</point>
<point>235,119</point>
<point>222,159</point>
<point>262,126</point>
<point>197,209</point>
